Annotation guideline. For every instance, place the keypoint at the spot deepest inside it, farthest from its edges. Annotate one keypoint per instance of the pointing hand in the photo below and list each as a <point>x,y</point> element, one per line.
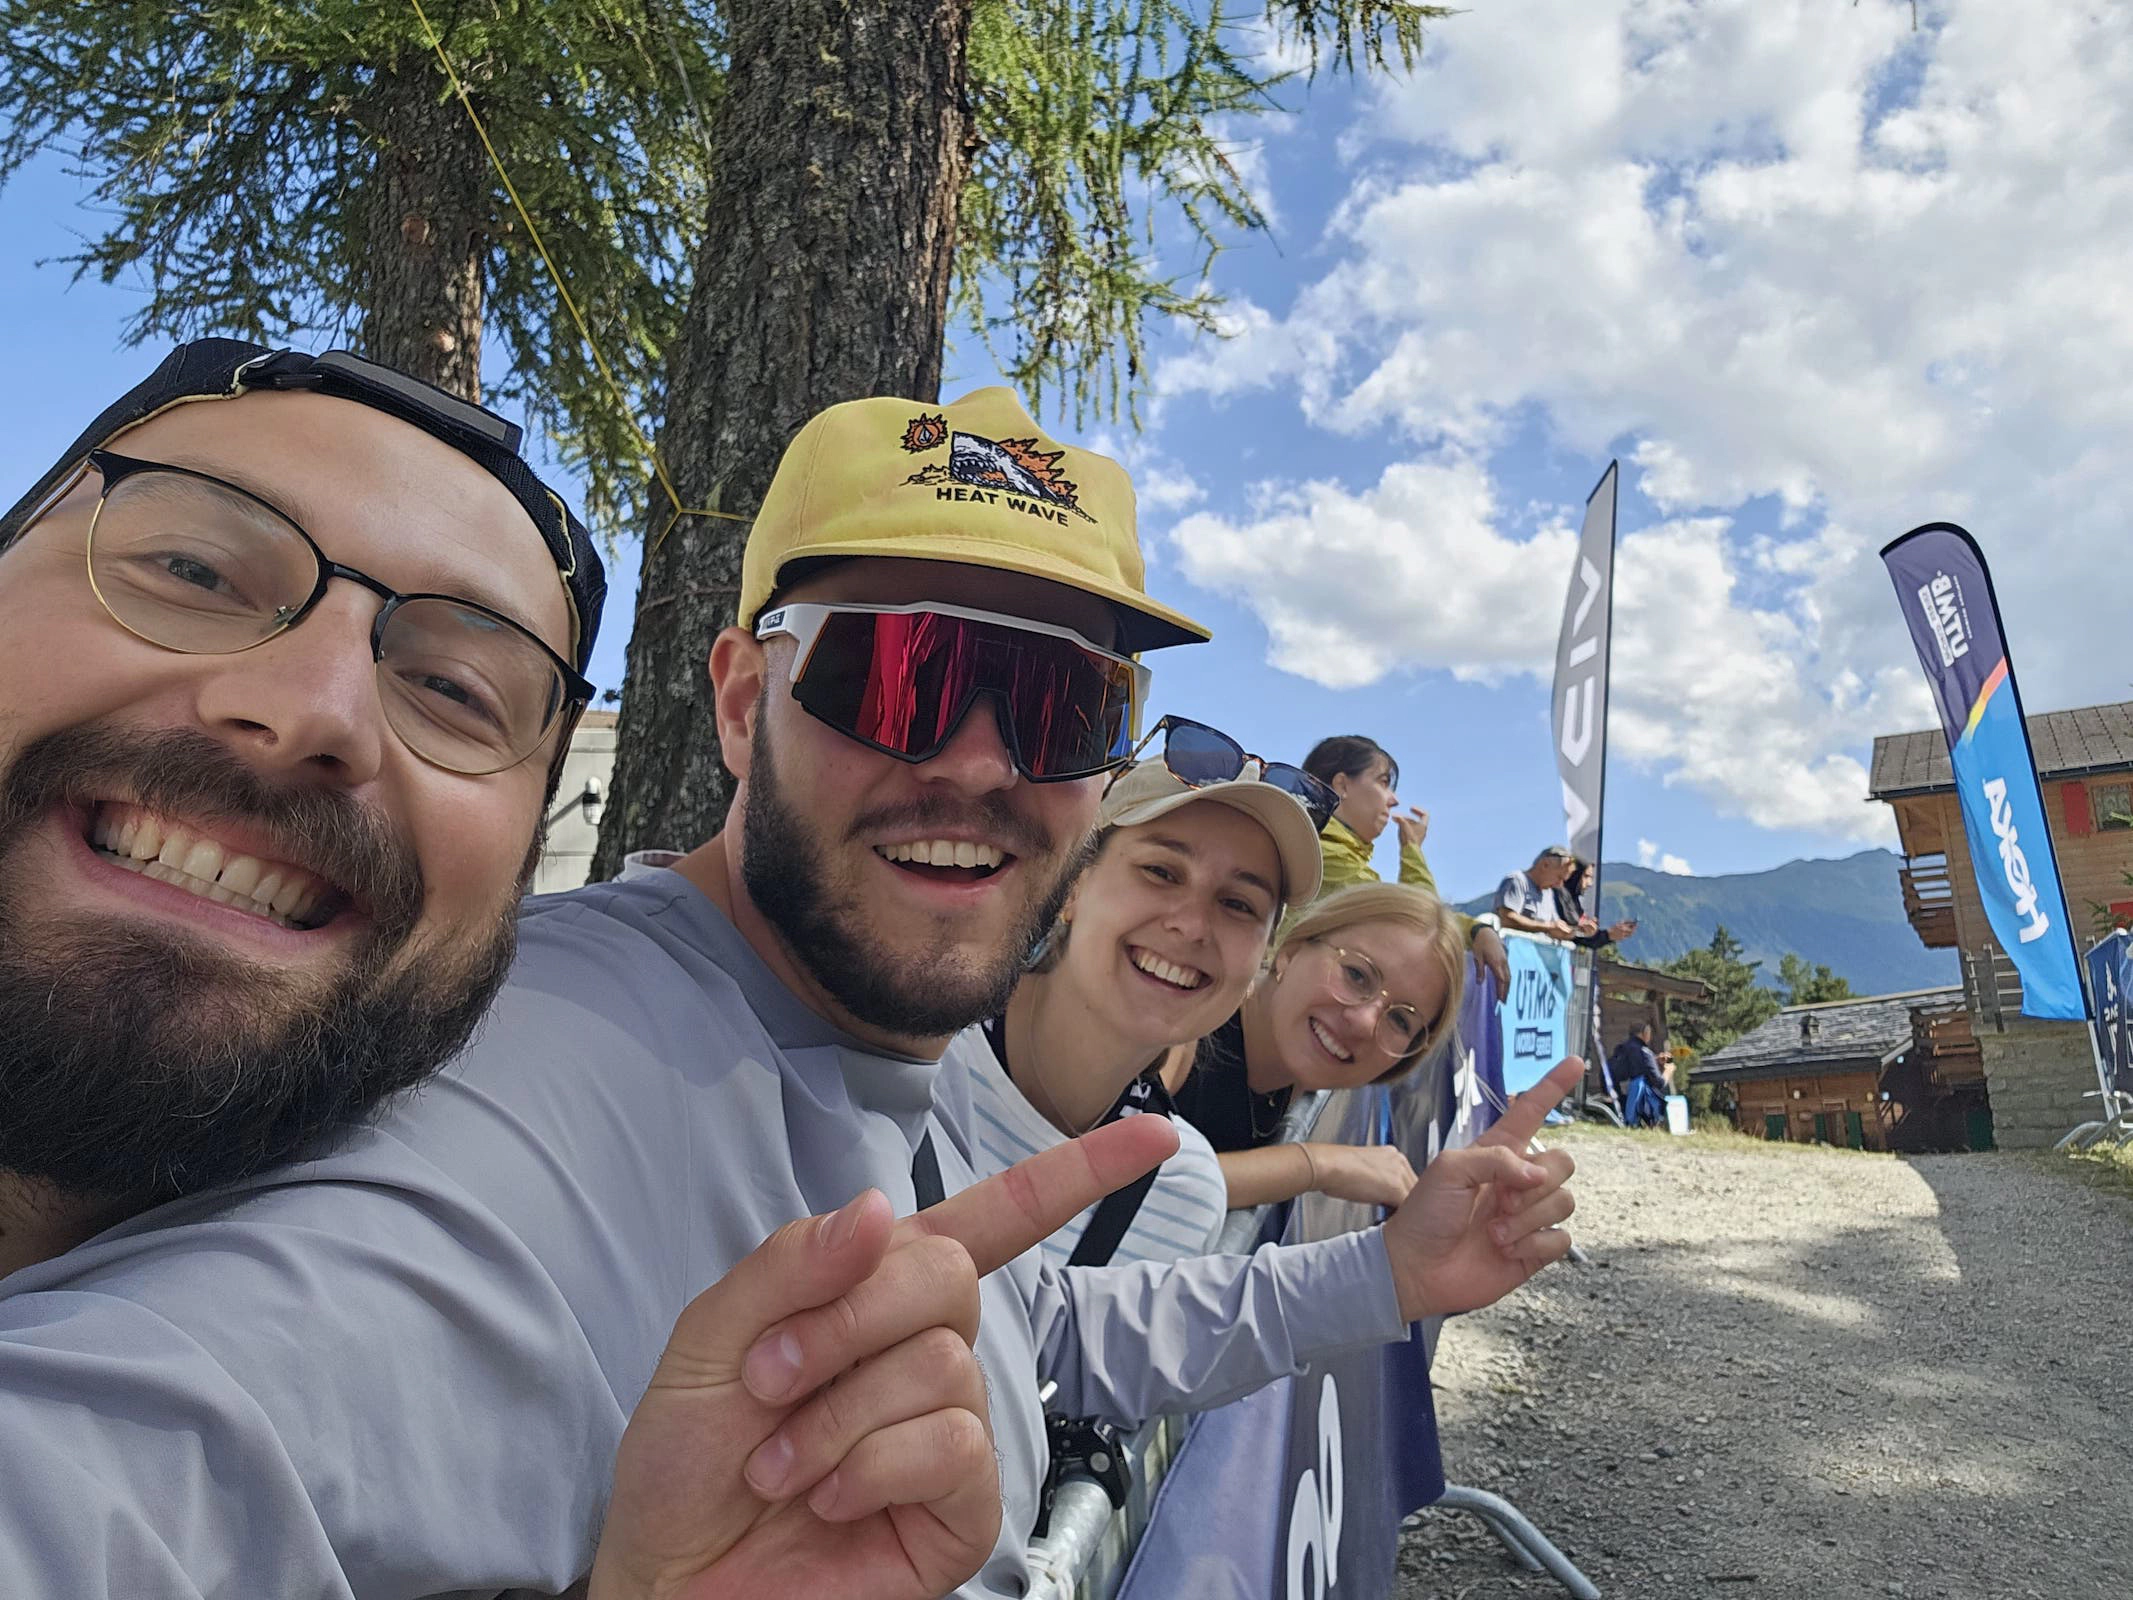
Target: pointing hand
<point>818,1425</point>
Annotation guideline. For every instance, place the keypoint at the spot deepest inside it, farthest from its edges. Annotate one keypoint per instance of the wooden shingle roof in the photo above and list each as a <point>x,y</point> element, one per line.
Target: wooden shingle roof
<point>1625,975</point>
<point>2069,744</point>
<point>1844,1033</point>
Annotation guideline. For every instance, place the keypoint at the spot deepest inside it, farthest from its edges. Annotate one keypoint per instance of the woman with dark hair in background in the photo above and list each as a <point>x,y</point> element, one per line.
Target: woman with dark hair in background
<point>1364,776</point>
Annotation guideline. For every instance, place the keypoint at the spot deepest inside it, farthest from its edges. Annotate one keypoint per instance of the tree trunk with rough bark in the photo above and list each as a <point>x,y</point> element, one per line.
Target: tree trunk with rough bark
<point>843,142</point>
<point>426,231</point>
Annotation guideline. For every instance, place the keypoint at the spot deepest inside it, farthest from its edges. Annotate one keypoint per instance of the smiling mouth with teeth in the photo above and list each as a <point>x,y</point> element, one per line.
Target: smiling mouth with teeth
<point>945,860</point>
<point>162,848</point>
<point>1185,978</point>
<point>1327,1042</point>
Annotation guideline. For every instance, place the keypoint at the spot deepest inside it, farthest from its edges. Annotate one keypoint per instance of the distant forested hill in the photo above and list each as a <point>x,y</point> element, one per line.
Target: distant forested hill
<point>1847,914</point>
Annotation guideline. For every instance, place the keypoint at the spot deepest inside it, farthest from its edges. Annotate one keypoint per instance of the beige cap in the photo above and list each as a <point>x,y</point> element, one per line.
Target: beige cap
<point>1150,790</point>
<point>975,482</point>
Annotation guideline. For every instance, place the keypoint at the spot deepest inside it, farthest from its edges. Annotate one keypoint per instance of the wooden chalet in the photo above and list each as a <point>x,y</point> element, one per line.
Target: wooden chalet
<point>1889,1072</point>
<point>1630,995</point>
<point>2037,1072</point>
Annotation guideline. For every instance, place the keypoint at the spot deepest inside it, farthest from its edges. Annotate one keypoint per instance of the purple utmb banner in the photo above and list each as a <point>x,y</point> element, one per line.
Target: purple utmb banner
<point>1954,619</point>
<point>1296,1492</point>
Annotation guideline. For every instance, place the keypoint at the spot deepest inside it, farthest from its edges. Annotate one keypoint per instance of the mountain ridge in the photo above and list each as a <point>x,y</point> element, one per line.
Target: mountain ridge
<point>1846,914</point>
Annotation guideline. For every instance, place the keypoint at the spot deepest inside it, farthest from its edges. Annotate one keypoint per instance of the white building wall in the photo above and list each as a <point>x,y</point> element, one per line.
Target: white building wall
<point>568,858</point>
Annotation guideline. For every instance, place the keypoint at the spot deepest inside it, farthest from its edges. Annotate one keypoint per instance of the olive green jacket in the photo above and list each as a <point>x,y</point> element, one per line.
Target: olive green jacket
<point>1345,856</point>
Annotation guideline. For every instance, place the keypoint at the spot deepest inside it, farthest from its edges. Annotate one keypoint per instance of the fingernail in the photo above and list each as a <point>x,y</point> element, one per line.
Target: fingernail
<point>840,1225</point>
<point>1500,1232</point>
<point>823,1501</point>
<point>772,1367</point>
<point>1531,1173</point>
<point>771,1465</point>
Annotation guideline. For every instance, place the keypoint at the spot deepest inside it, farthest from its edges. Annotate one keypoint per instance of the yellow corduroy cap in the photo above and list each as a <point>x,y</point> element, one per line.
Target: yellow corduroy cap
<point>973,482</point>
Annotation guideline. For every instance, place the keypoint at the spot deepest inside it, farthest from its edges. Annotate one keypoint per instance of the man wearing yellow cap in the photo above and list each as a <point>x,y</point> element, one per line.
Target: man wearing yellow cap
<point>932,671</point>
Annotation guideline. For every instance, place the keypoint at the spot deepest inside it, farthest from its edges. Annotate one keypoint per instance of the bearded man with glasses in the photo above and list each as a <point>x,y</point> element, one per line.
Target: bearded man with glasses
<point>261,836</point>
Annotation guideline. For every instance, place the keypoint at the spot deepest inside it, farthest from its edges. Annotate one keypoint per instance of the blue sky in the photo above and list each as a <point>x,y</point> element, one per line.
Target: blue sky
<point>1814,278</point>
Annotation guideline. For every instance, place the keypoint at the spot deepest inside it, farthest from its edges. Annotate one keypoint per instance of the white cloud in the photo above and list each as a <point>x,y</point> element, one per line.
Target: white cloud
<point>1167,489</point>
<point>1775,253</point>
<point>1250,350</point>
<point>1418,572</point>
<point>1410,573</point>
<point>1650,855</point>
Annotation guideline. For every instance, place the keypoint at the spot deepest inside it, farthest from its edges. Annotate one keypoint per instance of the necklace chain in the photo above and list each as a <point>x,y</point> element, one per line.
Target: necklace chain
<point>1035,1072</point>
<point>1251,1110</point>
<point>1050,1108</point>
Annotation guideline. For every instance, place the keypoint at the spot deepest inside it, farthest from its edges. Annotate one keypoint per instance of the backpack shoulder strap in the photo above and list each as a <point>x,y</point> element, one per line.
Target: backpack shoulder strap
<point>1116,1211</point>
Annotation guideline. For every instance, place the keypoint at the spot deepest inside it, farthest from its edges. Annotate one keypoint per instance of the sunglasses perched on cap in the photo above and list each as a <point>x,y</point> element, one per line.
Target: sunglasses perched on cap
<point>1198,755</point>
<point>186,561</point>
<point>901,679</point>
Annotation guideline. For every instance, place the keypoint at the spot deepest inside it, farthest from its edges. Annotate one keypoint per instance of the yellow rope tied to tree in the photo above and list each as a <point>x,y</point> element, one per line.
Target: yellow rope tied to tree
<point>533,232</point>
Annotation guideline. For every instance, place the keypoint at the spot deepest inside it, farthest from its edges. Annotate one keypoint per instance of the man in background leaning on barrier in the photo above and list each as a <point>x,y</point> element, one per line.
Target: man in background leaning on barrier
<point>455,1312</point>
<point>287,679</point>
<point>1525,901</point>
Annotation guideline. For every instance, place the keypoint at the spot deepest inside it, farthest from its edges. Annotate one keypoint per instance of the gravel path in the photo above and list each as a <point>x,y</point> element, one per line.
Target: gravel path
<point>1804,1372</point>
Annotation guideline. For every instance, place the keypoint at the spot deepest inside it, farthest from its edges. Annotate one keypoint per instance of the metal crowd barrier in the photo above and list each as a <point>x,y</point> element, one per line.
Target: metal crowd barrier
<point>1085,1553</point>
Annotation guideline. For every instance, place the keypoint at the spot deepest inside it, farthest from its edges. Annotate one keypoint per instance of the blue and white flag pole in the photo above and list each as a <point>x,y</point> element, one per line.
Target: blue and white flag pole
<point>1954,617</point>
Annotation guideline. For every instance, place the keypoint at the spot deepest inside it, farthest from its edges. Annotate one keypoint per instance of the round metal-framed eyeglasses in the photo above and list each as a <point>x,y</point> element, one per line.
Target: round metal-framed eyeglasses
<point>1399,1027</point>
<point>186,561</point>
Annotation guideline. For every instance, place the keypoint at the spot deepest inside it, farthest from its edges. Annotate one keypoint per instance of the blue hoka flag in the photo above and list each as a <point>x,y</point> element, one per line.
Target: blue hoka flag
<point>1955,622</point>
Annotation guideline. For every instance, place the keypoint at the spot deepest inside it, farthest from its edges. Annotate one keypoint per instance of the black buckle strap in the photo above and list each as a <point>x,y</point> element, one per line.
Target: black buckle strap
<point>926,1173</point>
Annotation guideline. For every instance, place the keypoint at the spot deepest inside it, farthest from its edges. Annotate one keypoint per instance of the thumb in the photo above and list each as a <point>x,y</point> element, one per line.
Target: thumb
<point>804,1264</point>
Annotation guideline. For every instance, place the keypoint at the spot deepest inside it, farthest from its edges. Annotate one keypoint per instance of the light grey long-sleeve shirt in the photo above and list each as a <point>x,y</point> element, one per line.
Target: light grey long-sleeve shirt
<point>403,1369</point>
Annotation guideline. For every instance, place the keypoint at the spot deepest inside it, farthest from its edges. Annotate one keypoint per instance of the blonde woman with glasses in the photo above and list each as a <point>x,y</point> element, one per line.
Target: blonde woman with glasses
<point>1364,988</point>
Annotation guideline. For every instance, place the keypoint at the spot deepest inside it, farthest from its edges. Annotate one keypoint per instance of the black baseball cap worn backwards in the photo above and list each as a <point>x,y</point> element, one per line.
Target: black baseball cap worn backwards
<point>220,369</point>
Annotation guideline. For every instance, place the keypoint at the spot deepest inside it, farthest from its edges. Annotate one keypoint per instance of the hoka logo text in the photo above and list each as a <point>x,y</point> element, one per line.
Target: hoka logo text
<point>2015,864</point>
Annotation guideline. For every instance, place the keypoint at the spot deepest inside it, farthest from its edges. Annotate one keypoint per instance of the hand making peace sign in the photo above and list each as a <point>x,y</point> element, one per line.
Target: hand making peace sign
<point>1482,1220</point>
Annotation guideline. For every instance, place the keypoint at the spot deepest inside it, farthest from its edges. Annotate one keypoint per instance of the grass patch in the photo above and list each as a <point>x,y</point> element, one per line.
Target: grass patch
<point>2110,1170</point>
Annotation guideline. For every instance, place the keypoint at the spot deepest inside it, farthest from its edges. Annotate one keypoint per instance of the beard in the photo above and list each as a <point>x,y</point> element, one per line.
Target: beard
<point>922,988</point>
<point>143,1063</point>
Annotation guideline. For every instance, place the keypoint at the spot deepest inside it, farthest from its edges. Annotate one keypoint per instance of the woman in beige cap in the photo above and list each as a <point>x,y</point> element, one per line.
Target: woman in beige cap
<point>1161,938</point>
